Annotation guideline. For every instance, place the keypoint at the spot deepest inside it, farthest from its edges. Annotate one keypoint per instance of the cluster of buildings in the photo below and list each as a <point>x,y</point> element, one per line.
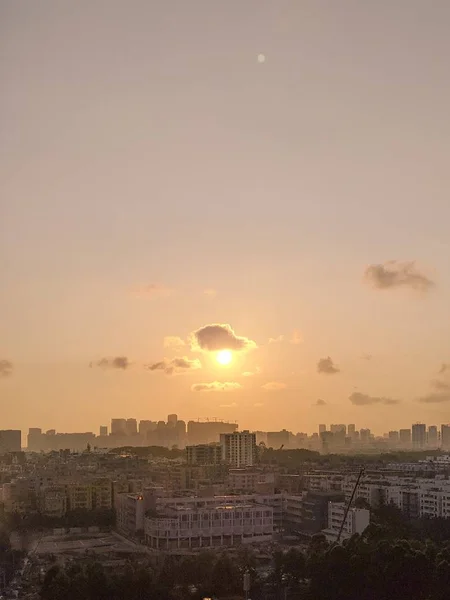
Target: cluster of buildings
<point>218,492</point>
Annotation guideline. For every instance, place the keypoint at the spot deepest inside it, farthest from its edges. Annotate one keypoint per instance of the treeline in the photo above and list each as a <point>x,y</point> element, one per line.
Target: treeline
<point>149,451</point>
<point>365,567</point>
<point>9,558</point>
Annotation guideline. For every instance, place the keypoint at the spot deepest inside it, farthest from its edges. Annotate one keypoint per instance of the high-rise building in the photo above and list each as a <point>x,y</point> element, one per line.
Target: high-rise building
<point>432,436</point>
<point>364,436</point>
<point>405,437</point>
<point>238,448</point>
<point>10,440</point>
<point>145,426</point>
<point>103,430</point>
<point>172,419</point>
<point>205,432</point>
<point>341,428</point>
<point>445,437</point>
<point>322,428</point>
<point>118,426</point>
<point>351,429</point>
<point>277,439</point>
<point>34,439</point>
<point>394,437</point>
<point>131,427</point>
<point>419,435</point>
<point>204,454</point>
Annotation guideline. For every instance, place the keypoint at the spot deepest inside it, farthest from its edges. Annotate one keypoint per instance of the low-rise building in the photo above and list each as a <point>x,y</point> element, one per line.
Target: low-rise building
<point>212,526</point>
<point>356,521</point>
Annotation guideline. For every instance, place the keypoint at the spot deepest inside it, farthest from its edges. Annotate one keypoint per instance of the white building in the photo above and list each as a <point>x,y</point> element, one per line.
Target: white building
<point>239,448</point>
<point>223,525</point>
<point>356,522</point>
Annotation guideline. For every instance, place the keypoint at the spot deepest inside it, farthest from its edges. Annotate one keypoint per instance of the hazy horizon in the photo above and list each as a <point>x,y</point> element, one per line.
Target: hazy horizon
<point>168,167</point>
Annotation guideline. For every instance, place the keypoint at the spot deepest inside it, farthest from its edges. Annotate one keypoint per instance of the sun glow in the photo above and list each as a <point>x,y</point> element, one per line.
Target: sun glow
<point>224,357</point>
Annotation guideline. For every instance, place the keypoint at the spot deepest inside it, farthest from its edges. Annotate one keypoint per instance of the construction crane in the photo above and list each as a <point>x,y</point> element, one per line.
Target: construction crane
<point>349,504</point>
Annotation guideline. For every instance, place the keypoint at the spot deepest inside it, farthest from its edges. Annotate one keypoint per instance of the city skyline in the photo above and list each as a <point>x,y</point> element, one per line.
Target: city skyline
<point>244,216</point>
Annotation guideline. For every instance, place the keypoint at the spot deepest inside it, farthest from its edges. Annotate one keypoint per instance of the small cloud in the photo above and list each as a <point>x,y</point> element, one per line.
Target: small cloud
<point>435,398</point>
<point>320,402</point>
<point>273,386</point>
<point>258,404</point>
<point>151,290</point>
<point>216,386</point>
<point>360,399</point>
<point>117,362</point>
<point>6,368</point>
<point>440,385</point>
<point>175,366</point>
<point>327,366</point>
<point>394,274</point>
<point>218,336</point>
<point>366,356</point>
<point>210,292</point>
<point>231,405</point>
<point>276,340</point>
<point>296,338</point>
<point>173,341</point>
<point>251,373</point>
<point>444,368</point>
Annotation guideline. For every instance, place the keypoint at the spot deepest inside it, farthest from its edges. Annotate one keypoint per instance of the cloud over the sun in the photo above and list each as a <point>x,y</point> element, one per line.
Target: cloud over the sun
<point>273,386</point>
<point>173,341</point>
<point>219,336</point>
<point>327,366</point>
<point>6,367</point>
<point>174,366</point>
<point>359,399</point>
<point>216,386</point>
<point>117,362</point>
<point>394,274</point>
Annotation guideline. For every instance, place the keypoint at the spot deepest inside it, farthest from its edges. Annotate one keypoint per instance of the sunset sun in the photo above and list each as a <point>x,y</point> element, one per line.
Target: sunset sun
<point>224,357</point>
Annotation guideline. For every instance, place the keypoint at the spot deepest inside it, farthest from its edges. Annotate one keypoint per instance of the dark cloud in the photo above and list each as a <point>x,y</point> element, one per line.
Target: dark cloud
<point>216,386</point>
<point>393,274</point>
<point>439,385</point>
<point>218,336</point>
<point>359,399</point>
<point>176,365</point>
<point>320,402</point>
<point>327,366</point>
<point>6,368</point>
<point>117,362</point>
<point>435,398</point>
<point>444,368</point>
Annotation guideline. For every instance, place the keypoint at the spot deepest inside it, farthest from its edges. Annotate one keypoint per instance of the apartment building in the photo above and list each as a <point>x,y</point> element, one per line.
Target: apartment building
<point>357,520</point>
<point>204,454</point>
<point>238,448</point>
<point>53,501</point>
<point>249,480</point>
<point>212,526</point>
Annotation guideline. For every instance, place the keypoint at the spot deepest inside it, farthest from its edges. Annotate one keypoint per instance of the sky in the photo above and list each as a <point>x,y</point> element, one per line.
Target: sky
<point>270,178</point>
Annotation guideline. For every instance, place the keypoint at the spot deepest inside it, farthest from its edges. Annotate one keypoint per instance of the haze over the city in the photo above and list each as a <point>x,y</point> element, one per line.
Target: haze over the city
<point>236,209</point>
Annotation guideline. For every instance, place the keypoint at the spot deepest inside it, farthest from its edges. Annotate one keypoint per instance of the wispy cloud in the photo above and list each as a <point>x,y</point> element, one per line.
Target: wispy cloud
<point>444,368</point>
<point>152,290</point>
<point>296,338</point>
<point>258,404</point>
<point>359,399</point>
<point>273,386</point>
<point>439,385</point>
<point>435,398</point>
<point>176,366</point>
<point>320,402</point>
<point>275,340</point>
<point>231,405</point>
<point>6,368</point>
<point>366,356</point>
<point>219,336</point>
<point>116,362</point>
<point>327,366</point>
<point>216,386</point>
<point>257,371</point>
<point>173,341</point>
<point>394,274</point>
